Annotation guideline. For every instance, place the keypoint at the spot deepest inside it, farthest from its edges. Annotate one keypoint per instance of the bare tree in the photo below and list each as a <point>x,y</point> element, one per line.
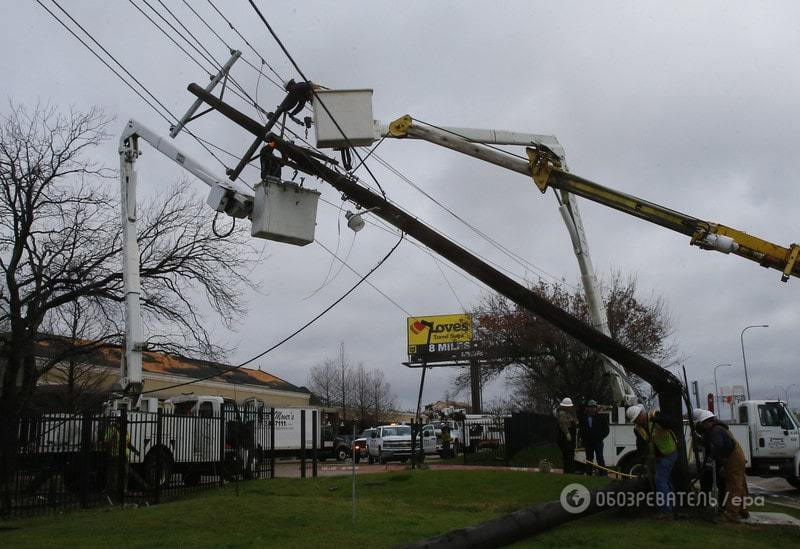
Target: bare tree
<point>383,400</point>
<point>322,381</point>
<point>79,383</point>
<point>544,364</point>
<point>60,244</point>
<point>344,382</point>
<point>362,393</point>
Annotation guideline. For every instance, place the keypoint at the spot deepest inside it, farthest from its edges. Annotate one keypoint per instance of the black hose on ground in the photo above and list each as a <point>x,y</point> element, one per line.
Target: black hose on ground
<point>526,522</point>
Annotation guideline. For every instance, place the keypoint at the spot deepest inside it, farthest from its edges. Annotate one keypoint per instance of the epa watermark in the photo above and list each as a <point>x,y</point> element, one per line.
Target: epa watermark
<point>576,498</point>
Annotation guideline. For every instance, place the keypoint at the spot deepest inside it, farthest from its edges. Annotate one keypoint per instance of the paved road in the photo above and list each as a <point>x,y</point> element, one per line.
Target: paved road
<point>774,489</point>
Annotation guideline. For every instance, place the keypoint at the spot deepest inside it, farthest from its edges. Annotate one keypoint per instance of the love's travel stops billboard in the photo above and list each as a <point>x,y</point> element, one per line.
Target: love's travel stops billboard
<point>438,338</point>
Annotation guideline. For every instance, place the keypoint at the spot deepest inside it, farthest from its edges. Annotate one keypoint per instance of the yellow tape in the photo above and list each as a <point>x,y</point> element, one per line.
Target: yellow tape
<point>606,469</point>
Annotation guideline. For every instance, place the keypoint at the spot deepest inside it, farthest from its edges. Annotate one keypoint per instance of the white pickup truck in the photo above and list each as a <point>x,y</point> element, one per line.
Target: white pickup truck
<point>766,430</point>
<point>393,442</point>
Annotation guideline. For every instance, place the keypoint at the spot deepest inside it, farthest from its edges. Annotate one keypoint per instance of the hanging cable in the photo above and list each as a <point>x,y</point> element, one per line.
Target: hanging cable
<point>214,227</point>
<point>293,334</point>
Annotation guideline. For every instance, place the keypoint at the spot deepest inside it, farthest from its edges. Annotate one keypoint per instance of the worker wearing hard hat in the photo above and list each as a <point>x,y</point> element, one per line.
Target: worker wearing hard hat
<point>722,447</point>
<point>655,438</point>
<point>594,429</point>
<point>567,424</point>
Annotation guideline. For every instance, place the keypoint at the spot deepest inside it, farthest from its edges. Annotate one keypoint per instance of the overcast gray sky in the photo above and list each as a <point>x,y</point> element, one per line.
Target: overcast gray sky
<point>689,104</point>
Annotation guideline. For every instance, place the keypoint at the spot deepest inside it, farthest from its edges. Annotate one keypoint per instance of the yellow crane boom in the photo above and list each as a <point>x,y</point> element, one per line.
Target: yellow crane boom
<point>546,169</point>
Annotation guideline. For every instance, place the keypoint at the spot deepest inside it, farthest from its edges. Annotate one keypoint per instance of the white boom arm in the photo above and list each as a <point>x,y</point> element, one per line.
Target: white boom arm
<point>226,196</point>
<point>468,141</point>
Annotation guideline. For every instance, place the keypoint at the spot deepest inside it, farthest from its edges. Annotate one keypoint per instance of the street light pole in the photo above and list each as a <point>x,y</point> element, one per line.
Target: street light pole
<point>716,389</point>
<point>786,394</point>
<point>744,359</point>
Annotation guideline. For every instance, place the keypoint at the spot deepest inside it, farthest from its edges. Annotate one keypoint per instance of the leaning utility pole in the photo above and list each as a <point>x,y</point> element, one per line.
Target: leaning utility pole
<point>668,387</point>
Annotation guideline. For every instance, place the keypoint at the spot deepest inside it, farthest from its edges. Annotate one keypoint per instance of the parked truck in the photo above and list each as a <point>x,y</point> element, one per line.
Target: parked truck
<point>194,436</point>
<point>766,430</point>
<point>393,442</point>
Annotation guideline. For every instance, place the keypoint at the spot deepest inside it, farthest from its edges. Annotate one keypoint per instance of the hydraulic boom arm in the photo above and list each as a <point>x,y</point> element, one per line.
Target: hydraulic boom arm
<point>547,171</point>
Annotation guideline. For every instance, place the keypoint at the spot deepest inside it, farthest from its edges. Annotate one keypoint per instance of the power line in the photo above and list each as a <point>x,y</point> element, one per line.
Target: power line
<point>261,57</point>
<point>293,334</point>
<point>121,66</point>
<point>87,46</point>
<point>521,261</point>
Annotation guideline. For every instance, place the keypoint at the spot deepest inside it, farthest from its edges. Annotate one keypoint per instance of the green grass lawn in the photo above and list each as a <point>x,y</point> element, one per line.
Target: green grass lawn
<point>392,508</point>
<point>529,457</point>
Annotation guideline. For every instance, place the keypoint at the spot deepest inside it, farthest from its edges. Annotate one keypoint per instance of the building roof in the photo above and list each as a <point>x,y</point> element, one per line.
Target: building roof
<point>161,363</point>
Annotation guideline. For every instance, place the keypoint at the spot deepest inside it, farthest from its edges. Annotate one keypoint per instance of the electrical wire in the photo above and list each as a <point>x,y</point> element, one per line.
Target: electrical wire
<point>516,258</point>
<point>246,42</point>
<point>121,66</point>
<point>293,334</point>
<point>355,272</point>
<point>452,290</point>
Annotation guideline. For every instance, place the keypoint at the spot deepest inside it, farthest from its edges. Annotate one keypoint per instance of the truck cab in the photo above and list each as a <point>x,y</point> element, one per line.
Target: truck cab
<point>393,442</point>
<point>774,443</point>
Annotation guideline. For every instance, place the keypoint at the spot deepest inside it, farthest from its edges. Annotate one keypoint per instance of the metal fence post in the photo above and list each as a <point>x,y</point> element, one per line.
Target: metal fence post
<point>159,465</point>
<point>463,438</point>
<point>414,430</point>
<point>122,455</point>
<point>314,431</point>
<point>507,438</point>
<point>83,475</point>
<point>221,447</point>
<point>272,443</point>
<point>302,444</point>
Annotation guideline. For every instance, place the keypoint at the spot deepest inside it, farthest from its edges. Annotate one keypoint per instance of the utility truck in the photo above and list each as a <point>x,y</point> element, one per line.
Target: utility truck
<point>393,442</point>
<point>766,430</point>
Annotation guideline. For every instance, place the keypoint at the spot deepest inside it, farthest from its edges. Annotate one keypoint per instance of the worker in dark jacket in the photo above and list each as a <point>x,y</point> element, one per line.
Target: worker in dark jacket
<point>728,459</point>
<point>594,429</point>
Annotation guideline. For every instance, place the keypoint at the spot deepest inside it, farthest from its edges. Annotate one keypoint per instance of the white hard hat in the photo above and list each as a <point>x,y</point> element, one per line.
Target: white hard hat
<point>699,415</point>
<point>634,411</point>
<point>566,402</point>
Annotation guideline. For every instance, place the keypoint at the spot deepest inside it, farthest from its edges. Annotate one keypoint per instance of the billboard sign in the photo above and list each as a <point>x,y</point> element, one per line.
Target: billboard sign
<point>439,337</point>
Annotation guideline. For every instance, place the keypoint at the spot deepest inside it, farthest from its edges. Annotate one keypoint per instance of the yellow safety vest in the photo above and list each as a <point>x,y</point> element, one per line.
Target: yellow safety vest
<point>658,437</point>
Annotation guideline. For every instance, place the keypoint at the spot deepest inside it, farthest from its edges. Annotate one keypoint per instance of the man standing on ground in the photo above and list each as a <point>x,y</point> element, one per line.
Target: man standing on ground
<point>656,440</point>
<point>567,423</point>
<point>594,429</point>
<point>729,462</point>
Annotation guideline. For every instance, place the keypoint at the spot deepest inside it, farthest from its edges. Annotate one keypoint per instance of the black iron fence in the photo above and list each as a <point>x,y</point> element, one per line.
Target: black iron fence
<point>486,440</point>
<point>63,461</point>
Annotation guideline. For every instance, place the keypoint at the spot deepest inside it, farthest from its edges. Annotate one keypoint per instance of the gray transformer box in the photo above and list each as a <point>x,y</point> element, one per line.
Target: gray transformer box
<point>284,212</point>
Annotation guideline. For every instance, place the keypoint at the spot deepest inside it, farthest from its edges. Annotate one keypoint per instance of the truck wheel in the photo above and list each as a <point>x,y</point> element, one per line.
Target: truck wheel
<point>794,481</point>
<point>253,469</point>
<point>341,454</point>
<point>158,474</point>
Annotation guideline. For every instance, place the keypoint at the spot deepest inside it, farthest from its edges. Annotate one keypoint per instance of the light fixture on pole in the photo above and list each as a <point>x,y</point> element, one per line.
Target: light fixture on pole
<point>355,220</point>
<point>744,359</point>
<point>716,388</point>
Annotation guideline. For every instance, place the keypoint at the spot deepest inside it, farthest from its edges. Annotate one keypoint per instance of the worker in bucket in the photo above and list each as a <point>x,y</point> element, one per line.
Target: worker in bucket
<point>655,440</point>
<point>567,424</point>
<point>728,460</point>
<point>594,429</point>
